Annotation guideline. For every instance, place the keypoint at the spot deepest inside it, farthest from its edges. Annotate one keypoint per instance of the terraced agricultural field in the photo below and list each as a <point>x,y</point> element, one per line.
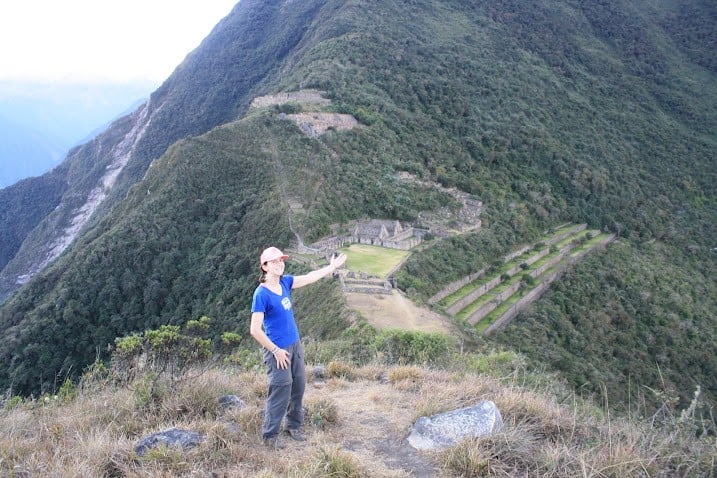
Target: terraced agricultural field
<point>491,296</point>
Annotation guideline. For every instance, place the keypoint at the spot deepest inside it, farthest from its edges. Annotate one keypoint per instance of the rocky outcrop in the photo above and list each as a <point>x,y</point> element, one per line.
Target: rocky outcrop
<point>447,429</point>
<point>172,438</point>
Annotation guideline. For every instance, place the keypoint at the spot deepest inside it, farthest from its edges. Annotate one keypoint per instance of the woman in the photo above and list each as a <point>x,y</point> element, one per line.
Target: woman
<point>274,327</point>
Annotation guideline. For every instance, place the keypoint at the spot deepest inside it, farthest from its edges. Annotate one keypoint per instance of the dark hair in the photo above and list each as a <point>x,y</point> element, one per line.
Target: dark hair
<point>262,277</point>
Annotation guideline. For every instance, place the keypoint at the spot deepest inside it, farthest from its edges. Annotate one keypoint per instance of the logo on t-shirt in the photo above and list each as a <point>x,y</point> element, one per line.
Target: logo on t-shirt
<point>286,303</point>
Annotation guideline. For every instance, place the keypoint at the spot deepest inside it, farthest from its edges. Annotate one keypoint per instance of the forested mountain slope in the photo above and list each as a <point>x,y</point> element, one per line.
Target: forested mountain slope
<point>212,86</point>
<point>548,112</point>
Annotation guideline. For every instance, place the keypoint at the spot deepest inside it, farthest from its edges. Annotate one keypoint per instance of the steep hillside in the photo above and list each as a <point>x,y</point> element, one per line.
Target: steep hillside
<point>212,86</point>
<point>547,112</point>
<point>40,122</point>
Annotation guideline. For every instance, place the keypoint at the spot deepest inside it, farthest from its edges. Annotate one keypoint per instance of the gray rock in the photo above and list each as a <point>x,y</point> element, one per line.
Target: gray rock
<point>19,472</point>
<point>228,402</point>
<point>447,429</point>
<point>171,438</point>
<point>319,372</point>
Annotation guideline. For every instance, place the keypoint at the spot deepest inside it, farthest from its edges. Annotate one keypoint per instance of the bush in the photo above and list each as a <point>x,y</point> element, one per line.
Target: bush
<point>12,402</point>
<point>339,464</point>
<point>340,370</point>
<point>496,364</point>
<point>159,351</point>
<point>321,412</point>
<point>402,346</point>
<point>289,108</point>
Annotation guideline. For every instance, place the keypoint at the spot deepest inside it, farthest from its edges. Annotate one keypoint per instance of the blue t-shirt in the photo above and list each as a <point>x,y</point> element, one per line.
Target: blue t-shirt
<point>279,323</point>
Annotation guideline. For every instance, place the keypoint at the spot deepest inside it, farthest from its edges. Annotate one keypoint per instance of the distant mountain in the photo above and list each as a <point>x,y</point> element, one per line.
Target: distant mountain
<point>548,112</point>
<point>25,152</point>
<point>41,122</point>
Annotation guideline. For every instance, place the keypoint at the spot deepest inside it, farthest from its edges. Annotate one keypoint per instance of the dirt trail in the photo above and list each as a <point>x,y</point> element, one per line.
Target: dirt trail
<point>374,421</point>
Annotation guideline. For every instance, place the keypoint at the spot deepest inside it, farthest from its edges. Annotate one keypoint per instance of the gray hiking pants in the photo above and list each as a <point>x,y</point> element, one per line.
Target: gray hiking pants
<point>286,392</point>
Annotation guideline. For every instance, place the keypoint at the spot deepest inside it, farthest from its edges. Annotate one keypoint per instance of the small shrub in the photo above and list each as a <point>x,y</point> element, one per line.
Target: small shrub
<point>339,464</point>
<point>399,374</point>
<point>246,359</point>
<point>199,326</point>
<point>323,352</point>
<point>289,108</point>
<point>95,375</point>
<point>321,413</point>
<point>12,402</point>
<point>402,347</point>
<point>495,364</point>
<point>340,370</point>
<point>407,379</point>
<point>67,391</point>
<point>466,460</point>
<point>159,351</point>
<point>150,394</point>
<point>230,339</point>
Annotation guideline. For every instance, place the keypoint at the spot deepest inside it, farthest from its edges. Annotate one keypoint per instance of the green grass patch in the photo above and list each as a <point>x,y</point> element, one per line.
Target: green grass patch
<point>490,295</point>
<point>473,306</point>
<point>561,230</point>
<point>374,260</point>
<point>537,264</point>
<point>494,314</point>
<point>597,239</point>
<point>451,299</point>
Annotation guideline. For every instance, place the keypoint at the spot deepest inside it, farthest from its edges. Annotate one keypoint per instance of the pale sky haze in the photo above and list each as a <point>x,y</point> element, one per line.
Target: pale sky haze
<point>108,41</point>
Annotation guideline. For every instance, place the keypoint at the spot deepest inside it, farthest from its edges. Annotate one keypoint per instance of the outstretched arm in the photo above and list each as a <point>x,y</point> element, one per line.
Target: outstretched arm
<point>313,276</point>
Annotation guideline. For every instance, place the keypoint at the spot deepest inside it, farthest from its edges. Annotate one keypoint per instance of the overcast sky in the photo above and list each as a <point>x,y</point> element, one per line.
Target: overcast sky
<point>116,40</point>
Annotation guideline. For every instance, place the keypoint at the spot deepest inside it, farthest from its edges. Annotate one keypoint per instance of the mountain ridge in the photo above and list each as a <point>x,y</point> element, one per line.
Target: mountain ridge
<point>504,101</point>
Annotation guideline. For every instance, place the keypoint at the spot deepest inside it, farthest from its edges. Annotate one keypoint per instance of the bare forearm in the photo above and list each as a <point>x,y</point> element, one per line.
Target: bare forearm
<point>313,276</point>
<point>335,262</point>
<point>263,340</point>
<point>256,330</point>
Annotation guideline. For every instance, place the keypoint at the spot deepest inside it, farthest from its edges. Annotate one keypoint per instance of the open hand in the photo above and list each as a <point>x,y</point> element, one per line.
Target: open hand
<point>337,260</point>
<point>282,359</point>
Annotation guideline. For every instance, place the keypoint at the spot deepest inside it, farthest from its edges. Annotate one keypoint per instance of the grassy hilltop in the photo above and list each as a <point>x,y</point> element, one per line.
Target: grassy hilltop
<point>357,419</point>
<point>547,112</point>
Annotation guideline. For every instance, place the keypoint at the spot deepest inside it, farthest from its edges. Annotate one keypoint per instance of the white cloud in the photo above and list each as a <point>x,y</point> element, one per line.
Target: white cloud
<point>91,39</point>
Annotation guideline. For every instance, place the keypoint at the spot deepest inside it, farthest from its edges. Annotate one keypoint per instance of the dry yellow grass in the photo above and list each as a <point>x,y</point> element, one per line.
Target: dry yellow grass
<point>356,426</point>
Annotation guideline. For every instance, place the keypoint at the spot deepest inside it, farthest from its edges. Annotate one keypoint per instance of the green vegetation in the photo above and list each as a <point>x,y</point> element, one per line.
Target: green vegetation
<point>489,286</point>
<point>22,207</point>
<point>374,260</point>
<point>647,310</point>
<point>548,430</point>
<point>549,112</point>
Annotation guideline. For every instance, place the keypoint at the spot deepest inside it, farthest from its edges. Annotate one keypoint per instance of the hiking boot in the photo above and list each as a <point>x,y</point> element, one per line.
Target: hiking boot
<point>296,434</point>
<point>274,443</point>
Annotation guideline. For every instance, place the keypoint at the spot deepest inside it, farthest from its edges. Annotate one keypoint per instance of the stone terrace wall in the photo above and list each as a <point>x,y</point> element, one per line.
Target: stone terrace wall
<point>538,291</point>
<point>302,96</point>
<point>464,301</point>
<point>571,231</point>
<point>314,125</point>
<point>454,286</point>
